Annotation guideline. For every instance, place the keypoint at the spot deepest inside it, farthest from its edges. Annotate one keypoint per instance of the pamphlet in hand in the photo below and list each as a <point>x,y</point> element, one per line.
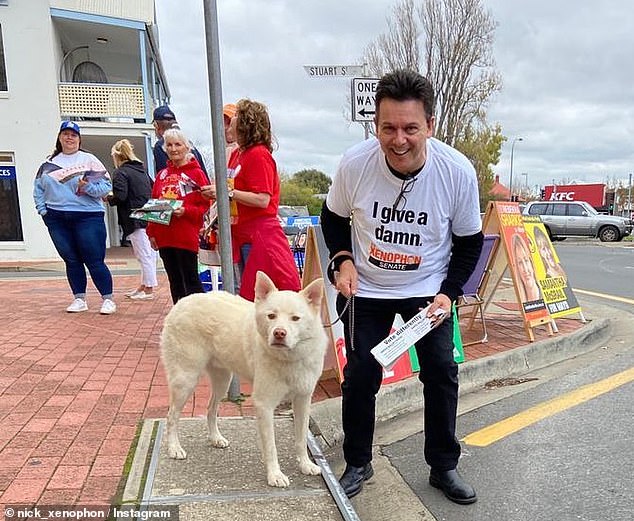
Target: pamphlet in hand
<point>89,172</point>
<point>187,185</point>
<point>64,175</point>
<point>157,210</point>
<point>388,351</point>
<point>94,175</point>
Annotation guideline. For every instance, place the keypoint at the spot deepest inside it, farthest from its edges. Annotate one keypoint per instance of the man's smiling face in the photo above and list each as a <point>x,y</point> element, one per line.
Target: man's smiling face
<point>402,128</point>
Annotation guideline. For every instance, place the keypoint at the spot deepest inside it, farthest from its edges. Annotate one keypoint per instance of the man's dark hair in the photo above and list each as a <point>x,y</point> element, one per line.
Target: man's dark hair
<point>403,85</point>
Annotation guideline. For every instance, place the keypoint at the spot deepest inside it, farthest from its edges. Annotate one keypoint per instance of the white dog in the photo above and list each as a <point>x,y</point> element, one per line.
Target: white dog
<point>277,342</point>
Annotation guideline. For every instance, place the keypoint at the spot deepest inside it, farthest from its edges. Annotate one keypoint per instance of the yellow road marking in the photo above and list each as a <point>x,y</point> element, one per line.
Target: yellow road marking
<point>499,430</point>
<point>603,295</point>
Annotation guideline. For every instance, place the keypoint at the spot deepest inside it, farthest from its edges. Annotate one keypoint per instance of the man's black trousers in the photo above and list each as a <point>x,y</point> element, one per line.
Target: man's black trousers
<point>373,319</point>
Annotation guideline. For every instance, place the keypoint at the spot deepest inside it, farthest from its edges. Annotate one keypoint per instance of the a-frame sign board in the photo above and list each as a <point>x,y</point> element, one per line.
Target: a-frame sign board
<point>315,265</point>
<point>551,276</point>
<point>505,219</point>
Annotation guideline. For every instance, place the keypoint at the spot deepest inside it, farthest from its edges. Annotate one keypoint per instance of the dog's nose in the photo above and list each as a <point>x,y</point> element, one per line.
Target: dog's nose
<point>279,333</point>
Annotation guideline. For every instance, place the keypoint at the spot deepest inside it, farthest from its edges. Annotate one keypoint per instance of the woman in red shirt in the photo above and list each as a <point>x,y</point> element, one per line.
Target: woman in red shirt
<point>258,241</point>
<point>177,242</point>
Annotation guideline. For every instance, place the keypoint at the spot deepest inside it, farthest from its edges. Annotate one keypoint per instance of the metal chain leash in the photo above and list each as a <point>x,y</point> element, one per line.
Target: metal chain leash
<point>349,305</point>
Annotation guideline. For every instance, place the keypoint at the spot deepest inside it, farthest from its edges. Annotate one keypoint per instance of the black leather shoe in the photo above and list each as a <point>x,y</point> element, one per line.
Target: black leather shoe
<point>453,486</point>
<point>353,477</point>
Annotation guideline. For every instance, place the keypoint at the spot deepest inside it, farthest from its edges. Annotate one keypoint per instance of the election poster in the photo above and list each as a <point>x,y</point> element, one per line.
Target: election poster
<point>551,277</point>
<point>504,218</point>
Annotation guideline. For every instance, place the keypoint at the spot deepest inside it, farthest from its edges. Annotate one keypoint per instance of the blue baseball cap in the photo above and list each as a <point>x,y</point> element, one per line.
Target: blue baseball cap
<point>163,113</point>
<point>70,125</point>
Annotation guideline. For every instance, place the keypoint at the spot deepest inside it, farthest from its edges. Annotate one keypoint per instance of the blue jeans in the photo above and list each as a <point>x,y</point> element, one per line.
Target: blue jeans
<point>80,240</point>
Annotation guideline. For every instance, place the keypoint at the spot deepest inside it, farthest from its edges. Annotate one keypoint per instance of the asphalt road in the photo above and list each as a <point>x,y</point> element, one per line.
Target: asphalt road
<point>569,466</point>
<point>595,266</point>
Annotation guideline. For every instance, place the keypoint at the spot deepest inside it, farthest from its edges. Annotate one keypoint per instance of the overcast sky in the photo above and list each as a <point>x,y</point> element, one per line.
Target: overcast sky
<point>566,67</point>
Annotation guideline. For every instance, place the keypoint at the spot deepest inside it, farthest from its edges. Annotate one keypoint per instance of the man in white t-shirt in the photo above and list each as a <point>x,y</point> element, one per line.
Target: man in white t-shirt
<point>402,224</point>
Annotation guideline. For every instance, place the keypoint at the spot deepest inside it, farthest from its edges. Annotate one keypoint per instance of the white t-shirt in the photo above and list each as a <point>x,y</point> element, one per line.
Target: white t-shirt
<point>404,253</point>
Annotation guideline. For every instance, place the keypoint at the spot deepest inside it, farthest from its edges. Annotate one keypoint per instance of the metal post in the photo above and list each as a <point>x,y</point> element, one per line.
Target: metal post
<point>629,198</point>
<point>220,163</point>
<point>511,176</point>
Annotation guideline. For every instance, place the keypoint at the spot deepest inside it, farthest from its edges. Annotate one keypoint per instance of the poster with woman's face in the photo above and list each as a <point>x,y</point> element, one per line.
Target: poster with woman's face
<point>520,260</point>
<point>551,276</point>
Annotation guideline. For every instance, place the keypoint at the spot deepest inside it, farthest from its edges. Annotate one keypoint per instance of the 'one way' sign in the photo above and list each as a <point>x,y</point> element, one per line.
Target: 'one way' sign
<point>363,99</point>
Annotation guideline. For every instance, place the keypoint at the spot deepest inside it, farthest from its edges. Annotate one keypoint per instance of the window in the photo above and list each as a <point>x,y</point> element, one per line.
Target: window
<point>559,209</point>
<point>10,222</point>
<point>538,209</point>
<point>576,210</point>
<point>3,69</point>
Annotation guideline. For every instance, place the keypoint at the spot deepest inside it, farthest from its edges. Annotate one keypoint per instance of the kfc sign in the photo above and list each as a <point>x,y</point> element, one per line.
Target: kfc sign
<point>594,194</point>
<point>562,196</point>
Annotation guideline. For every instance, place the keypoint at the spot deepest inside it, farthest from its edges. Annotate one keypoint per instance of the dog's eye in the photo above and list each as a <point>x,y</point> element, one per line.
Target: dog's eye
<point>271,316</point>
<point>295,318</point>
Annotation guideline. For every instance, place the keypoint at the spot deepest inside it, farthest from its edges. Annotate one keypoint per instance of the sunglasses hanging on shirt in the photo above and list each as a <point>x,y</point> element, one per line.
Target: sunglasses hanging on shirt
<point>406,187</point>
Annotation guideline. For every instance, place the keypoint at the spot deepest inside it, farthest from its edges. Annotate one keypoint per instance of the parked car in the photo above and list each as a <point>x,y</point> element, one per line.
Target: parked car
<point>578,219</point>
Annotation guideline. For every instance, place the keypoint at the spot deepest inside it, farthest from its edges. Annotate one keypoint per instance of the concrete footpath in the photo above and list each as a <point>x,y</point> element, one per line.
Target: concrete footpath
<point>83,400</point>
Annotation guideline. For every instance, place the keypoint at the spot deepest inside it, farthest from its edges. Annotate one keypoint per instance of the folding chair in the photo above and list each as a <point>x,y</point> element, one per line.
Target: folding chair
<point>471,290</point>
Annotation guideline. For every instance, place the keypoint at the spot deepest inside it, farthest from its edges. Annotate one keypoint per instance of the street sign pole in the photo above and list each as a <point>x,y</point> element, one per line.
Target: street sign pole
<point>210,11</point>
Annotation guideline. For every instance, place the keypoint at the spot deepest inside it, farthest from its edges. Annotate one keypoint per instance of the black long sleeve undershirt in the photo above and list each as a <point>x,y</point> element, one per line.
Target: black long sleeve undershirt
<point>337,231</point>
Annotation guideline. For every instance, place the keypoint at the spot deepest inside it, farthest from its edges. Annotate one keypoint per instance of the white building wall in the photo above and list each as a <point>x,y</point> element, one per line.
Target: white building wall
<point>29,113</point>
<point>139,10</point>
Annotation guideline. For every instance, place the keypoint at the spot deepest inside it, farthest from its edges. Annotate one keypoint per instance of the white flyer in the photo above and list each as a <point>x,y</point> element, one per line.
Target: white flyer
<point>388,351</point>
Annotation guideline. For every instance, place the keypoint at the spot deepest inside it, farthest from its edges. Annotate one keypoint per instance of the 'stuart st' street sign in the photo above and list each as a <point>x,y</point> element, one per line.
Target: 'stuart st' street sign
<point>363,98</point>
<point>333,71</point>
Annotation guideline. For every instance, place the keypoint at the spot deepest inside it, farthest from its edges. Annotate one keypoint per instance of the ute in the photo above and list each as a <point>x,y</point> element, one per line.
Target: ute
<point>578,219</point>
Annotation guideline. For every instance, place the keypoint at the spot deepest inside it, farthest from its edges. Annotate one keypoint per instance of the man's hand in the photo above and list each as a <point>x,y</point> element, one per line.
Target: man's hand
<point>441,301</point>
<point>179,212</point>
<point>153,243</point>
<point>347,279</point>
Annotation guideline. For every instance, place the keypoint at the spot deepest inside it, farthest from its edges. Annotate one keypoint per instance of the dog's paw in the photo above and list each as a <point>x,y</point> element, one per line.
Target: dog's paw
<point>220,442</point>
<point>309,468</point>
<point>278,479</point>
<point>177,452</point>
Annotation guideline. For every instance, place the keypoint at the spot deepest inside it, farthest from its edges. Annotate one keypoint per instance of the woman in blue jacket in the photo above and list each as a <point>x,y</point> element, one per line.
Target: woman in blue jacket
<point>68,192</point>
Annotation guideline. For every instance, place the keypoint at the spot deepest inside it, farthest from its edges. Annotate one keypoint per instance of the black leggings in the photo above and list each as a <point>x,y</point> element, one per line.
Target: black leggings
<point>181,267</point>
<point>363,376</point>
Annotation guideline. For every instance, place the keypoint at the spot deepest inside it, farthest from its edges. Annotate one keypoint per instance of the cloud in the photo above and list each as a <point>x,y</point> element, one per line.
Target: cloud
<point>564,66</point>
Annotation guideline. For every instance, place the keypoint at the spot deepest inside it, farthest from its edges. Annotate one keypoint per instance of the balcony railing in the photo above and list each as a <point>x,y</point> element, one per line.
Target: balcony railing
<point>98,100</point>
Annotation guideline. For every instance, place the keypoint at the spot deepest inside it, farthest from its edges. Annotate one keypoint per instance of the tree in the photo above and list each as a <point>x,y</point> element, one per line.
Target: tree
<point>296,194</point>
<point>482,146</point>
<point>456,37</point>
<point>317,181</point>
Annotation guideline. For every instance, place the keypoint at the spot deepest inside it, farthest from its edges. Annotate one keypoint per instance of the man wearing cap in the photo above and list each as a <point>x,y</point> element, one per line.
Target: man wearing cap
<point>163,120</point>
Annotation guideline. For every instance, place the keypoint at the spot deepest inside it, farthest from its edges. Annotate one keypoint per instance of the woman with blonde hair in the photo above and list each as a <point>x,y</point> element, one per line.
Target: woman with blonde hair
<point>131,188</point>
<point>523,266</point>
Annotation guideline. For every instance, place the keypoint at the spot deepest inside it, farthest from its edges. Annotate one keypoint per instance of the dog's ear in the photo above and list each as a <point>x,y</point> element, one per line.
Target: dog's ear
<point>263,285</point>
<point>313,293</point>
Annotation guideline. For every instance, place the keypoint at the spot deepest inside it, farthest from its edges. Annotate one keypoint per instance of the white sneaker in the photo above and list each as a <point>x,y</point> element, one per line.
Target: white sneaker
<point>131,293</point>
<point>108,307</point>
<point>78,305</point>
<point>142,295</point>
